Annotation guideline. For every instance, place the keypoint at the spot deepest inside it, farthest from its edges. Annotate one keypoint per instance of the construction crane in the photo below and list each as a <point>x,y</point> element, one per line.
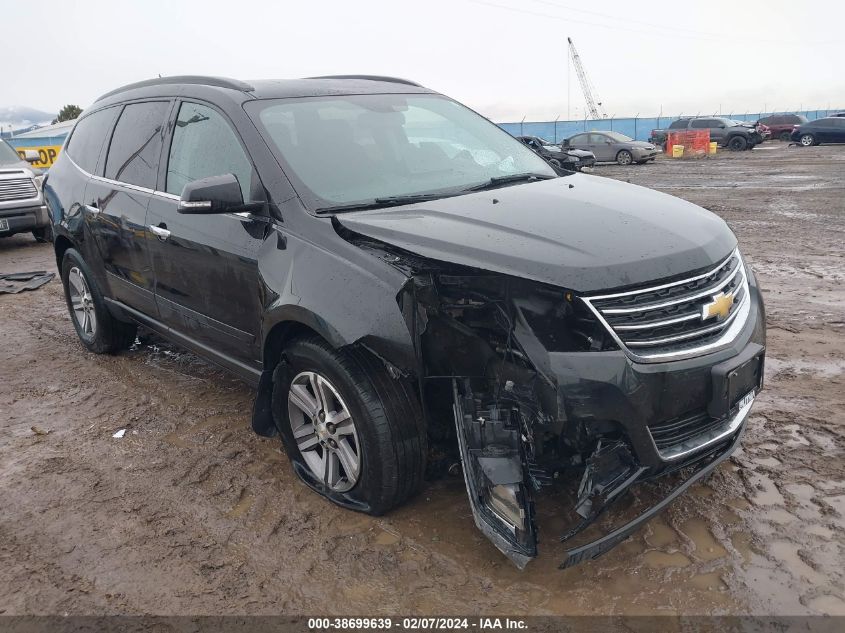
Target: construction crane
<point>593,105</point>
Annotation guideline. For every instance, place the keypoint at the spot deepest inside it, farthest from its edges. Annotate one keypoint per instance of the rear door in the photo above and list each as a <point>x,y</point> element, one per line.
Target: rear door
<point>206,266</point>
<point>116,202</point>
<point>580,141</point>
<point>717,133</point>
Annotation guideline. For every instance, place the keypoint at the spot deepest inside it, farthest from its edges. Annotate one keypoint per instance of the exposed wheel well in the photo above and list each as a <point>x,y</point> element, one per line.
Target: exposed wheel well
<point>61,244</point>
<point>280,335</point>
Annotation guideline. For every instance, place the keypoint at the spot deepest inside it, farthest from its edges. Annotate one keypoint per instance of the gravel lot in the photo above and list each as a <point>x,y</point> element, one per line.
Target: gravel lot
<point>190,512</point>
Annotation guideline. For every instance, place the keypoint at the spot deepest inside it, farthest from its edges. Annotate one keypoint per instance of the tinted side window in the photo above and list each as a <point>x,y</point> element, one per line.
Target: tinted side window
<point>598,138</point>
<point>135,147</point>
<point>700,124</point>
<point>678,124</point>
<point>580,139</point>
<point>88,136</point>
<point>204,145</point>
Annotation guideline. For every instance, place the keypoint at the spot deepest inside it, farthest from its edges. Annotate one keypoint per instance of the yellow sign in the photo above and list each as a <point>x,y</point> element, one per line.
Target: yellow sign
<point>719,307</point>
<point>46,155</point>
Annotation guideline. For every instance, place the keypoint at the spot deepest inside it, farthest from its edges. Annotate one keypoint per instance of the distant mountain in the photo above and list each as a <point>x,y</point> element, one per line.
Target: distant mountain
<point>18,117</point>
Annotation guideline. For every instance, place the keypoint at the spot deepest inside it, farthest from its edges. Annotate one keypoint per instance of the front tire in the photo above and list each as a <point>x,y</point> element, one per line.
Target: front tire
<point>737,144</point>
<point>624,157</point>
<point>97,329</point>
<point>807,140</point>
<point>352,432</point>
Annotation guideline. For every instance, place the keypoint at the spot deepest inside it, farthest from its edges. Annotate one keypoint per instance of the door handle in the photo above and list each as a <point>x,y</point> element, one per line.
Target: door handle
<point>91,208</point>
<point>160,232</point>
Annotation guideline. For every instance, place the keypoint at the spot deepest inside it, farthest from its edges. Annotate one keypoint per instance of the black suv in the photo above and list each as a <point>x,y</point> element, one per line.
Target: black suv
<point>735,135</point>
<point>429,287</point>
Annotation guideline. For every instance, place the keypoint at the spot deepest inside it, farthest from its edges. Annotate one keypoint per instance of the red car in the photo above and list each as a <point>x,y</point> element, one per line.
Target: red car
<point>781,125</point>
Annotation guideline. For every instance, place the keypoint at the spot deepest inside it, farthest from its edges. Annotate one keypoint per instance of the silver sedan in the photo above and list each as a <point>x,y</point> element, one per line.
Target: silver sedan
<point>613,147</point>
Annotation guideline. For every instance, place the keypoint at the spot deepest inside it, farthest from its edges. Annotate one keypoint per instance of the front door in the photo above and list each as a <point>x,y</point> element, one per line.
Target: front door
<point>116,203</point>
<point>602,147</point>
<point>206,266</point>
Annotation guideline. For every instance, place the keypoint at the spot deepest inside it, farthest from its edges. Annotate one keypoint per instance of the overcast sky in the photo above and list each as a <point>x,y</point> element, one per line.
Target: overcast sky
<point>505,58</point>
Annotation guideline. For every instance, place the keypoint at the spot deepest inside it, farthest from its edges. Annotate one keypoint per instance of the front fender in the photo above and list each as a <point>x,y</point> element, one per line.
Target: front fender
<point>345,295</point>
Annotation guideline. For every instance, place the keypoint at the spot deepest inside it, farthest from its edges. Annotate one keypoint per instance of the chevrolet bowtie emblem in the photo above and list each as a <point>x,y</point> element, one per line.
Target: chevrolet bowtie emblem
<point>719,307</point>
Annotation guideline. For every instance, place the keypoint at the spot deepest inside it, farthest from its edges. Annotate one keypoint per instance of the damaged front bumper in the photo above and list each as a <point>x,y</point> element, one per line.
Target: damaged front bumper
<point>625,423</point>
<point>544,393</point>
<point>703,466</point>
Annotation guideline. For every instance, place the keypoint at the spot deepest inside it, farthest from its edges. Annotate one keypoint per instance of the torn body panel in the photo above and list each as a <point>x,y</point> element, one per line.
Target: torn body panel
<point>539,394</point>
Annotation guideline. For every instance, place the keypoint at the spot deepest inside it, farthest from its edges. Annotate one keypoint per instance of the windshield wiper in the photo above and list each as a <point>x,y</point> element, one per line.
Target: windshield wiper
<point>495,181</point>
<point>380,203</point>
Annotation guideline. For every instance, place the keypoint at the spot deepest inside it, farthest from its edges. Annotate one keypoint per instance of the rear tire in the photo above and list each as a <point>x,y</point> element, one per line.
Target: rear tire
<point>737,143</point>
<point>97,329</point>
<point>624,157</point>
<point>386,423</point>
<point>785,136</point>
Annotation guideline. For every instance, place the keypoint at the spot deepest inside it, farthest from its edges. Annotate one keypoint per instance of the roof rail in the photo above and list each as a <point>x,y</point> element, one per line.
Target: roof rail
<point>394,80</point>
<point>217,82</point>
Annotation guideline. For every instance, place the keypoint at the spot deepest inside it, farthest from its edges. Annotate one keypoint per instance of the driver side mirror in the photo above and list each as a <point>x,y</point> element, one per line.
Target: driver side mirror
<point>31,156</point>
<point>212,195</point>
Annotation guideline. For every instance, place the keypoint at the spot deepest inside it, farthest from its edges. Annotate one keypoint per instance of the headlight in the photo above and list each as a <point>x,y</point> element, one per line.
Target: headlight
<point>506,503</point>
<point>39,181</point>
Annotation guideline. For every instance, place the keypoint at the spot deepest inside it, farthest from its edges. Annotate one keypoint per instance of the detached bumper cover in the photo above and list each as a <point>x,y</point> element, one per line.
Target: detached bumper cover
<point>705,465</point>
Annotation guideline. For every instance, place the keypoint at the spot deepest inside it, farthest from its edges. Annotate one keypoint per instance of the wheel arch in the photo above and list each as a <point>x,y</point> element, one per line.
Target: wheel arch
<point>61,244</point>
<point>629,152</point>
<point>297,324</point>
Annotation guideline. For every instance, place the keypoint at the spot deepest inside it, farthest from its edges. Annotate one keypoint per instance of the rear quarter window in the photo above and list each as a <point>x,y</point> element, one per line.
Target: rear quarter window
<point>88,137</point>
<point>678,124</point>
<point>135,148</point>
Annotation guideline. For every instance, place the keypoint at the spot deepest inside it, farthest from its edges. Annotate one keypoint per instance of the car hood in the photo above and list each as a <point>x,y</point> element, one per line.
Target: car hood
<point>580,153</point>
<point>582,232</point>
<point>13,165</point>
<point>642,144</point>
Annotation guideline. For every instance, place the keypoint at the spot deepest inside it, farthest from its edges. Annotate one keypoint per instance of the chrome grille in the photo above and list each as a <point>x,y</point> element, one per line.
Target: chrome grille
<point>676,319</point>
<point>17,189</point>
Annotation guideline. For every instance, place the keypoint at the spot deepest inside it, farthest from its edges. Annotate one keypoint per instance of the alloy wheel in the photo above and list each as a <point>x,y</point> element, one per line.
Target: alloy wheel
<point>624,158</point>
<point>807,140</point>
<point>82,302</point>
<point>324,431</point>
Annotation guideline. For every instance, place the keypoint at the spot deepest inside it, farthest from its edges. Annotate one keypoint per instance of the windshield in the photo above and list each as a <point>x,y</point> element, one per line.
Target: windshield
<point>7,154</point>
<point>358,148</point>
<point>619,138</point>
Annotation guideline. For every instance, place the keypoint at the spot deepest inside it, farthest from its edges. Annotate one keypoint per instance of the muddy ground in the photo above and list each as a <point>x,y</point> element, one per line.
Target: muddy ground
<point>190,512</point>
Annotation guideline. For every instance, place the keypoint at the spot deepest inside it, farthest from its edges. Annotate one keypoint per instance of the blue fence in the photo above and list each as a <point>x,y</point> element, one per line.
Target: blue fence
<point>638,128</point>
<point>23,143</point>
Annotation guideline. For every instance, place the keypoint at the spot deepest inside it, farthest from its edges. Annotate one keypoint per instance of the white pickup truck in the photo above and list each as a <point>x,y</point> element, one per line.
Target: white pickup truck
<point>22,207</point>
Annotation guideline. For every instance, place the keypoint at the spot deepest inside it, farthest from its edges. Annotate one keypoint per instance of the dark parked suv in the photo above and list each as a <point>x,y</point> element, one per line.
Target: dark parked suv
<point>735,135</point>
<point>430,287</point>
